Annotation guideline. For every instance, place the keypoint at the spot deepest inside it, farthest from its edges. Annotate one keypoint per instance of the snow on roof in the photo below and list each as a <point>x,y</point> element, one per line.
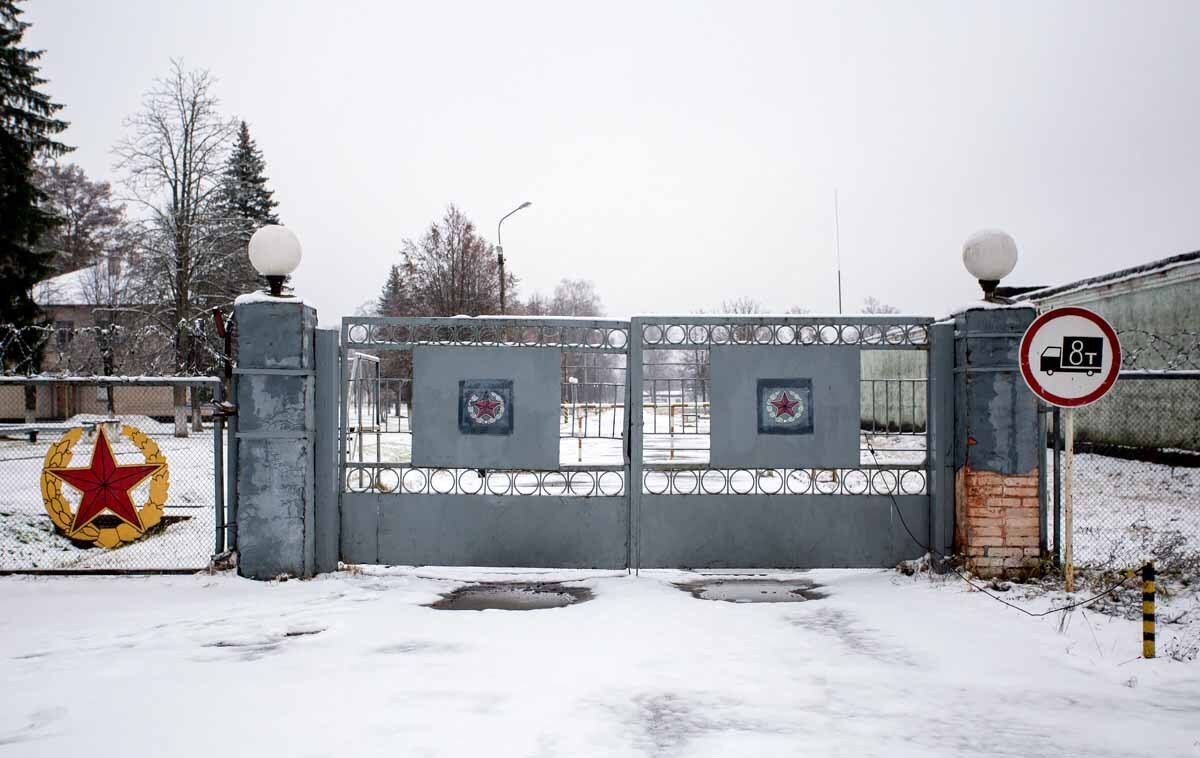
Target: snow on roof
<point>1113,277</point>
<point>92,285</point>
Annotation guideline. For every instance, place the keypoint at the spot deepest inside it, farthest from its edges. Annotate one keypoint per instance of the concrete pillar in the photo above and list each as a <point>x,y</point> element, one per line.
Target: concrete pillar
<point>276,401</point>
<point>997,447</point>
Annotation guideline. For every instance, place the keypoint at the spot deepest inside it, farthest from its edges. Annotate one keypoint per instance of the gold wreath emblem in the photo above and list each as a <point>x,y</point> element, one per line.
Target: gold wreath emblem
<point>95,527</point>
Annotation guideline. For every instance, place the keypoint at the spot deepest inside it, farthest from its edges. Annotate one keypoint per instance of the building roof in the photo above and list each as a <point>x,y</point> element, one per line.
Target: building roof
<point>1160,266</point>
<point>98,284</point>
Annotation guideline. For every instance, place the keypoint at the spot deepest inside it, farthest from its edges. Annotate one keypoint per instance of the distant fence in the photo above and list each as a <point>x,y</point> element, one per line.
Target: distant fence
<point>179,518</point>
<point>1136,481</point>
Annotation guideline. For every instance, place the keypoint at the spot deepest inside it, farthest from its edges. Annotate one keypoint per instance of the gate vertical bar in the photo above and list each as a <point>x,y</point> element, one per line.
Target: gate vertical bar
<point>633,431</point>
<point>218,476</point>
<point>939,405</point>
<point>344,404</point>
<point>327,492</point>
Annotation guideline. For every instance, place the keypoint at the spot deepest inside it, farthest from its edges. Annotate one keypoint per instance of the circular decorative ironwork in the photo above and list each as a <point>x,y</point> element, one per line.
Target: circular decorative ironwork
<point>414,480</point>
<point>611,486</point>
<point>884,482</point>
<point>470,482</point>
<point>912,482</point>
<point>770,481</point>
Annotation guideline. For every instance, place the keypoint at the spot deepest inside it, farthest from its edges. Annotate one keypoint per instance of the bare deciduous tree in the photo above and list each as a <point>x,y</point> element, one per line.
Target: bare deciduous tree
<point>743,306</point>
<point>873,305</point>
<point>91,220</point>
<point>452,270</point>
<point>173,159</point>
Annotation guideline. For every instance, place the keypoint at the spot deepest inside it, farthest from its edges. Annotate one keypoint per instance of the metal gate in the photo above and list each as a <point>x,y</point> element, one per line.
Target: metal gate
<point>750,441</point>
<point>533,474</point>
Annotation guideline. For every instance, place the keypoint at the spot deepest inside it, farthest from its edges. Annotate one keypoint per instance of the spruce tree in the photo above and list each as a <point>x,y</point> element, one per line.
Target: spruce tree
<point>27,126</point>
<point>246,205</point>
<point>394,298</point>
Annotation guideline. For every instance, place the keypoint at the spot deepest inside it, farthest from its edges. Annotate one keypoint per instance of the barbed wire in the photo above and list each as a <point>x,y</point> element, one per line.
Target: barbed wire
<point>1141,349</point>
<point>139,349</point>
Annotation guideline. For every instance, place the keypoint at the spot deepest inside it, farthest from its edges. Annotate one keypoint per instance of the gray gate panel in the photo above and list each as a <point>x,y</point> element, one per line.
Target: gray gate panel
<point>834,373</point>
<point>536,376</point>
<point>360,528</point>
<point>487,530</point>
<point>764,531</point>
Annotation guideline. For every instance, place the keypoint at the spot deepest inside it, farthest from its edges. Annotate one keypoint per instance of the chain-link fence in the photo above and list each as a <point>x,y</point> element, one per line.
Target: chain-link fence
<point>1136,475</point>
<point>110,473</point>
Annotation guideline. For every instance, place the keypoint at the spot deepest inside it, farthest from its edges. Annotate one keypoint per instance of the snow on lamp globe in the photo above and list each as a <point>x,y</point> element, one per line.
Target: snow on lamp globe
<point>274,252</point>
<point>990,255</point>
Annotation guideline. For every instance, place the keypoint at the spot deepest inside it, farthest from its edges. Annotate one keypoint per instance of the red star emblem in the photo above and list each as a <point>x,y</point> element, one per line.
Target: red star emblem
<point>484,407</point>
<point>105,485</point>
<point>784,404</point>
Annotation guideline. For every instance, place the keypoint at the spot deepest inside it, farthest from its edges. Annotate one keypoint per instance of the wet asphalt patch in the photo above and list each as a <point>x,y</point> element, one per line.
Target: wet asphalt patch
<point>511,596</point>
<point>753,590</point>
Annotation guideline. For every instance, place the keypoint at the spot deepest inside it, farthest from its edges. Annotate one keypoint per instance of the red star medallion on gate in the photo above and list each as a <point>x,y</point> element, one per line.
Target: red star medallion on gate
<point>784,404</point>
<point>486,408</point>
<point>105,485</point>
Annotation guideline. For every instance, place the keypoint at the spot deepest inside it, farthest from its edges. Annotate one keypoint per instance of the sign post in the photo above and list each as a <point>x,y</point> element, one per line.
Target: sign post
<point>1070,357</point>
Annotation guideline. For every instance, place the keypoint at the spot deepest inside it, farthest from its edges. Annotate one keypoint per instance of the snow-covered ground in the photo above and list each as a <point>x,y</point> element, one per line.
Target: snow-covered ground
<point>1127,512</point>
<point>27,536</point>
<point>355,665</point>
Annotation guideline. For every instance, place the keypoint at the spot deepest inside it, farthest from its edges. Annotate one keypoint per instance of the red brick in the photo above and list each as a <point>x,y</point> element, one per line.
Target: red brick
<point>984,531</point>
<point>1021,491</point>
<point>1006,502</point>
<point>993,541</point>
<point>1005,552</point>
<point>984,477</point>
<point>1020,481</point>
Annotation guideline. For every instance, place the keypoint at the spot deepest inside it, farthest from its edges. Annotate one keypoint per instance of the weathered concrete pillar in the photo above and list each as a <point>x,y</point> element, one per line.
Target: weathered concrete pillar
<point>276,407</point>
<point>997,447</point>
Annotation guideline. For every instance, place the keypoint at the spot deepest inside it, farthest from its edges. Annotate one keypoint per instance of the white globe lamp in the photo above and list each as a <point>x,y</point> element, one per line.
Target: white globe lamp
<point>990,255</point>
<point>275,253</point>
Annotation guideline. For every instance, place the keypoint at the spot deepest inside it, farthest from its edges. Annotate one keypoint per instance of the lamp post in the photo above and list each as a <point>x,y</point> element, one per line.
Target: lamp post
<point>274,252</point>
<point>500,250</point>
<point>990,255</point>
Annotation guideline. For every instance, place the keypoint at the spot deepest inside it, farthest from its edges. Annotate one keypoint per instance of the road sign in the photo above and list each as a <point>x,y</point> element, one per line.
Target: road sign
<point>1070,357</point>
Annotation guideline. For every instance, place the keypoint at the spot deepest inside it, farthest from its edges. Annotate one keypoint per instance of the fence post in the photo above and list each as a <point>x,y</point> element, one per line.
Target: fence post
<point>276,420</point>
<point>218,474</point>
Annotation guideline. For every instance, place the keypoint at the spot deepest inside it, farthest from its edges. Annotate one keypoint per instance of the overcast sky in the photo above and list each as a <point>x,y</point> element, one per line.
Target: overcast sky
<point>679,154</point>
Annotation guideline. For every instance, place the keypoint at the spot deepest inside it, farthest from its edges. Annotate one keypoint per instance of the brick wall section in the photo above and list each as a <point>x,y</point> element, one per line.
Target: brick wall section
<point>999,534</point>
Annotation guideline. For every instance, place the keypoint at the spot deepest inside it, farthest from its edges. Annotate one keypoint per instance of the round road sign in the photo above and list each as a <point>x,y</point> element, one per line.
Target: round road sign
<point>1070,357</point>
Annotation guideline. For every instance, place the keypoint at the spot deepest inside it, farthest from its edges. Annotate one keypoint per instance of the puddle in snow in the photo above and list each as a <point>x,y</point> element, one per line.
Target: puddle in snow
<point>511,596</point>
<point>754,590</point>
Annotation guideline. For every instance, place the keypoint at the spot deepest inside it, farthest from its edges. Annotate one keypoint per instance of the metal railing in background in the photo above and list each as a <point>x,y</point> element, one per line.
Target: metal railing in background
<point>36,412</point>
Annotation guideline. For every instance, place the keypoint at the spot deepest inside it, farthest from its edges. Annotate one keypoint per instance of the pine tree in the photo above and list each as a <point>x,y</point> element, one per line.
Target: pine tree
<point>395,299</point>
<point>27,126</point>
<point>246,204</point>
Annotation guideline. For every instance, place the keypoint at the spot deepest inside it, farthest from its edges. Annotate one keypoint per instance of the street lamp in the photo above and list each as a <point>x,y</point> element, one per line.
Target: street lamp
<point>274,252</point>
<point>500,249</point>
<point>990,255</point>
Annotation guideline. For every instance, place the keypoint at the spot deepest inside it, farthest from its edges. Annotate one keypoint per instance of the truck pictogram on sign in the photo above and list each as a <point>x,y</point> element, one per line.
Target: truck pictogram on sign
<point>1078,354</point>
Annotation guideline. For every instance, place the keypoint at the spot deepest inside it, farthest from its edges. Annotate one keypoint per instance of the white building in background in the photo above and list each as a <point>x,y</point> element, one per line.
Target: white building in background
<point>1155,308</point>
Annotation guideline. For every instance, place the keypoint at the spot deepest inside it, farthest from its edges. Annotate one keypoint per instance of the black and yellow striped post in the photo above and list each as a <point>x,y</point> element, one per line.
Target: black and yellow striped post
<point>1148,610</point>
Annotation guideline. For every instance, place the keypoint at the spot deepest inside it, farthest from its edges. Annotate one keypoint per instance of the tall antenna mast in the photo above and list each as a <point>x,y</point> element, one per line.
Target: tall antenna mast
<point>838,232</point>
